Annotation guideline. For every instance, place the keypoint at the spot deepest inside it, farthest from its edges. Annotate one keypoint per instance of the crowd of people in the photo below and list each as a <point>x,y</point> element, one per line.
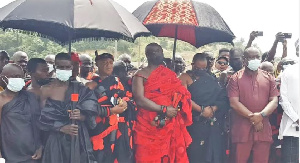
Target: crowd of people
<point>238,107</point>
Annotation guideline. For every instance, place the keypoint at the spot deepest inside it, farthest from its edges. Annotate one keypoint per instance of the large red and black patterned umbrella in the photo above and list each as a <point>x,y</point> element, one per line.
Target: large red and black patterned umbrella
<point>190,21</point>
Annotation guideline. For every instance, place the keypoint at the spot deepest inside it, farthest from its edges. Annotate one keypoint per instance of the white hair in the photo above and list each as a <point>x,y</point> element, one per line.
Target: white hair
<point>124,56</point>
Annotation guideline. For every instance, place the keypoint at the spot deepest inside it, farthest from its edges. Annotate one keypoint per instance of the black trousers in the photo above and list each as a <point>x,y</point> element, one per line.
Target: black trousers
<point>290,149</point>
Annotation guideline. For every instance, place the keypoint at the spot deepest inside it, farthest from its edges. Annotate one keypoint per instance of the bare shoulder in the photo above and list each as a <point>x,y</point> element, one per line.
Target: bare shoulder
<point>184,76</point>
<point>1,99</point>
<point>46,90</point>
<point>91,85</point>
<point>141,72</point>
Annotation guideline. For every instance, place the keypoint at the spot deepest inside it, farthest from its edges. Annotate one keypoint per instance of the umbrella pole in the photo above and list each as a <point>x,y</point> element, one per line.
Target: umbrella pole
<point>69,46</point>
<point>174,47</point>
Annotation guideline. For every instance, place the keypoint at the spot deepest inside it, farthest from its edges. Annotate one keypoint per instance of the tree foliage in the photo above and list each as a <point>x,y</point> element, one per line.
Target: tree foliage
<point>35,46</point>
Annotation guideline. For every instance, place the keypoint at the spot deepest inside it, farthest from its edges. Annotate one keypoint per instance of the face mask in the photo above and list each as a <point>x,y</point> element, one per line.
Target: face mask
<point>50,67</point>
<point>199,72</point>
<point>42,82</point>
<point>254,64</point>
<point>63,75</point>
<point>15,84</point>
<point>236,65</point>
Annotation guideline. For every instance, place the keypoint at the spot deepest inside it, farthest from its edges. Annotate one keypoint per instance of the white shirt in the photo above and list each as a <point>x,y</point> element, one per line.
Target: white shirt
<point>290,101</point>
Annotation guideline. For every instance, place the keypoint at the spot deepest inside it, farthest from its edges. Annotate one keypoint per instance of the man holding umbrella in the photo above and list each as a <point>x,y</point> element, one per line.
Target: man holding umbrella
<point>64,102</point>
<point>164,111</point>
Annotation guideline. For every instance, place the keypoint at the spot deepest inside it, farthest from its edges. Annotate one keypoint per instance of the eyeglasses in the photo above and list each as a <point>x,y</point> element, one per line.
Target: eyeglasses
<point>222,63</point>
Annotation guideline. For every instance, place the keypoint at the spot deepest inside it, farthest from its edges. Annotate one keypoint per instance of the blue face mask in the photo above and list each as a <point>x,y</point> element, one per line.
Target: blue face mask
<point>253,65</point>
<point>63,75</point>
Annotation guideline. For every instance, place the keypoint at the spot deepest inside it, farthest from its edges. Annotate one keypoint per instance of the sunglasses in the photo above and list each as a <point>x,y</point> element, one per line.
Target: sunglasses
<point>222,63</point>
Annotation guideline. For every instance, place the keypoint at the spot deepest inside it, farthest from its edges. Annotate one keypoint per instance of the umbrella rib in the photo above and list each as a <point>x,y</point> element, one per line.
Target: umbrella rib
<point>13,8</point>
<point>111,2</point>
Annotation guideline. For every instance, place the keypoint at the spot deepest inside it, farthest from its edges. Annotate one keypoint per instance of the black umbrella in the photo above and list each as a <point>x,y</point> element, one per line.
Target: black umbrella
<point>71,20</point>
<point>190,21</point>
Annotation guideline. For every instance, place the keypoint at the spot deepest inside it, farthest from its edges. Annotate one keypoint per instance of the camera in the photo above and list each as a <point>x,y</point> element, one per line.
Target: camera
<point>260,33</point>
<point>285,36</point>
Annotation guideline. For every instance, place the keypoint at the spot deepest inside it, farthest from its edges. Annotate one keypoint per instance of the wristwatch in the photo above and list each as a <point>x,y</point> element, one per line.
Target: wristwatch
<point>263,114</point>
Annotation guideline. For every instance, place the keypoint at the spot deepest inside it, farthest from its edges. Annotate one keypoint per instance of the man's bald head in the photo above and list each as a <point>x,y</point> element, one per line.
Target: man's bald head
<point>12,70</point>
<point>267,66</point>
<point>154,54</point>
<point>86,65</point>
<point>50,59</point>
<point>251,59</point>
<point>20,58</point>
<point>152,48</point>
<point>85,58</point>
<point>251,50</point>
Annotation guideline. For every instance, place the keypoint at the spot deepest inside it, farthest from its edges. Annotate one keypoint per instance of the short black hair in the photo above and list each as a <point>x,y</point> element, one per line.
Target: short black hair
<point>223,50</point>
<point>4,54</point>
<point>63,56</point>
<point>104,56</point>
<point>199,56</point>
<point>223,58</point>
<point>119,69</point>
<point>236,51</point>
<point>33,63</point>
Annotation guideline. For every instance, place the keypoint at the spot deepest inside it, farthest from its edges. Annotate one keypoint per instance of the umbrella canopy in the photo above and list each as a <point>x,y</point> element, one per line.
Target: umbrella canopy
<point>190,21</point>
<point>71,20</point>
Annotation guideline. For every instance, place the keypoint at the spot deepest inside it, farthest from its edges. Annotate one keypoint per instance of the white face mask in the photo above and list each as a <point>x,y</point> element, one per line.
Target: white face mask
<point>254,64</point>
<point>15,84</point>
<point>50,67</point>
<point>63,75</point>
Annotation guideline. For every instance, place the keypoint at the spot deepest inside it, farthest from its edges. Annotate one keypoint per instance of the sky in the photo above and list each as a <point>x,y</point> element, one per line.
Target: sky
<point>244,16</point>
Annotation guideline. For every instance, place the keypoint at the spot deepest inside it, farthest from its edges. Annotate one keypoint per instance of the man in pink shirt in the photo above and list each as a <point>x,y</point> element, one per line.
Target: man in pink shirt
<point>253,97</point>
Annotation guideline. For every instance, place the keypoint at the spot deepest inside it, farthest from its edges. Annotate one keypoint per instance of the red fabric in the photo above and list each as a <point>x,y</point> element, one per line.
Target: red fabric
<point>172,12</point>
<point>97,140</point>
<point>260,150</point>
<point>75,57</point>
<point>254,93</point>
<point>27,84</point>
<point>153,143</point>
<point>74,97</point>
<point>185,33</point>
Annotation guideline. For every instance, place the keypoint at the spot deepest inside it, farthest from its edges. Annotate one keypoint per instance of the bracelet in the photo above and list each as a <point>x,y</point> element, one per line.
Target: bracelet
<point>202,108</point>
<point>164,111</point>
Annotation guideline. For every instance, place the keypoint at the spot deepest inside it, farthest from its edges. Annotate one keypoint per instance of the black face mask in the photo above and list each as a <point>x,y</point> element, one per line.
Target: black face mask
<point>46,81</point>
<point>158,60</point>
<point>236,65</point>
<point>199,72</point>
